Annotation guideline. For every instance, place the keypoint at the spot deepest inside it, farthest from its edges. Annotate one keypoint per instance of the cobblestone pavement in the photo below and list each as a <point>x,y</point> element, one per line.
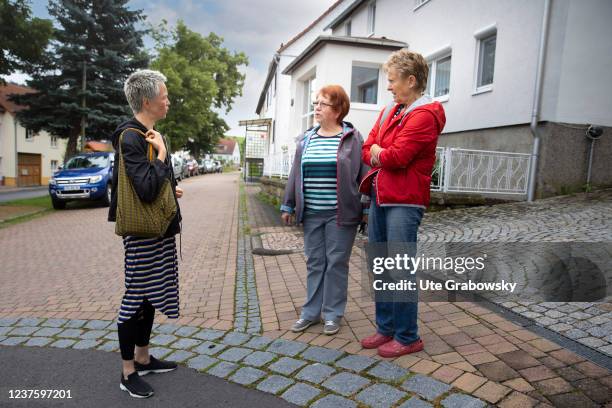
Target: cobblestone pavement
<point>63,288</point>
<point>466,345</point>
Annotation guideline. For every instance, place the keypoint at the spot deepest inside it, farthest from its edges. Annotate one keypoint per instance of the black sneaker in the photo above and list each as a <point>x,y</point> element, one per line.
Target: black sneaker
<point>136,387</point>
<point>155,366</point>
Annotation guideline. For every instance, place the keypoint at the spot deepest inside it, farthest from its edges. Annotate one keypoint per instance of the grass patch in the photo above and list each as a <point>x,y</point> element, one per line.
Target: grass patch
<point>43,202</point>
<point>268,199</point>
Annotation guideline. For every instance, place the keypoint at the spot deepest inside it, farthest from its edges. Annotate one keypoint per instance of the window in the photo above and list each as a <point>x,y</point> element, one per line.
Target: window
<point>29,135</point>
<point>364,85</point>
<point>307,108</point>
<point>53,166</point>
<point>486,60</point>
<point>53,141</point>
<point>347,28</point>
<point>438,80</point>
<point>371,18</point>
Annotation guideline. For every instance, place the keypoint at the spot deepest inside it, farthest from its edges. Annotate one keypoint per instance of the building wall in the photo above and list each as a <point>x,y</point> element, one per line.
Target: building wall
<point>41,144</point>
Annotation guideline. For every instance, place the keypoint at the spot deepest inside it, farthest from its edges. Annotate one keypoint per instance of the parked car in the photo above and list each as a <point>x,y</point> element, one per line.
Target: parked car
<point>86,176</point>
<point>192,167</point>
<point>177,167</point>
<point>201,166</point>
<point>209,166</point>
<point>218,166</point>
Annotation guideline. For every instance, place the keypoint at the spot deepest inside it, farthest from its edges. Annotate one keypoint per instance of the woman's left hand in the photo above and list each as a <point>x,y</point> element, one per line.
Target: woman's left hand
<point>179,192</point>
<point>374,152</point>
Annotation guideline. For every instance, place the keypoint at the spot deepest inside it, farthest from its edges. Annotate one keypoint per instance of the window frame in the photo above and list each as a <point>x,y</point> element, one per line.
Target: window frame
<point>348,28</point>
<point>371,18</point>
<point>432,62</point>
<point>373,65</point>
<point>307,115</point>
<point>53,141</point>
<point>480,36</point>
<point>29,135</point>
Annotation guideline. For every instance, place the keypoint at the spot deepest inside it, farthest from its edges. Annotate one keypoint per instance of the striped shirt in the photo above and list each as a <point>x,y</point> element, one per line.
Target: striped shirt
<point>320,177</point>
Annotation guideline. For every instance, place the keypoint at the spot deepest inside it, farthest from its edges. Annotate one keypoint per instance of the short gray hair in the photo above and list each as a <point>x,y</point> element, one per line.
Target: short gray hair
<point>140,85</point>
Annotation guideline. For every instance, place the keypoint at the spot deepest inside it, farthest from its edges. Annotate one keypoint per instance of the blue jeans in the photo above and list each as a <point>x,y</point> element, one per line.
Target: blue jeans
<point>395,224</point>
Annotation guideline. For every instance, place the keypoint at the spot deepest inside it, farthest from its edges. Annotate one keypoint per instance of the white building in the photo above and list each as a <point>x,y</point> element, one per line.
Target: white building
<point>227,151</point>
<point>26,158</point>
<point>484,61</point>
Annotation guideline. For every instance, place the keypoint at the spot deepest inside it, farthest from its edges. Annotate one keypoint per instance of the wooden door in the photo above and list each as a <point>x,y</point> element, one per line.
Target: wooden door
<point>28,168</point>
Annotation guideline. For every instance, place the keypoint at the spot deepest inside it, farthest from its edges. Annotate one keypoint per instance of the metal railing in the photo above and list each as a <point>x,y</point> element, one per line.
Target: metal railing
<point>456,170</point>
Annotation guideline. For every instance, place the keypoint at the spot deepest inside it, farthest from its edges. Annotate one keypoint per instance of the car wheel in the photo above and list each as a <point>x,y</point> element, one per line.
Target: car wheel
<point>107,195</point>
<point>58,204</point>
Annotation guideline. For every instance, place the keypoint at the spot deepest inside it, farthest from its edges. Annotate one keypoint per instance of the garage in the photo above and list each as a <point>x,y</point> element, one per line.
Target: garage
<point>28,168</point>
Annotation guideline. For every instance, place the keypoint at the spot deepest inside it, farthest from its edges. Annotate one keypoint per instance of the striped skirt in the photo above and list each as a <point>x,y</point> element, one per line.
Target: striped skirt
<point>151,272</point>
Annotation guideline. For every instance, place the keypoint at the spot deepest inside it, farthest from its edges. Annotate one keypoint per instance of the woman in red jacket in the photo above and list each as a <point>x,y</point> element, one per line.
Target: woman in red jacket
<point>401,150</point>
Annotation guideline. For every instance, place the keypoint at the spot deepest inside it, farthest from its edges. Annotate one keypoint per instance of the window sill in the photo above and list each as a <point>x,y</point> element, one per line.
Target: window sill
<point>441,99</point>
<point>365,106</point>
<point>483,89</point>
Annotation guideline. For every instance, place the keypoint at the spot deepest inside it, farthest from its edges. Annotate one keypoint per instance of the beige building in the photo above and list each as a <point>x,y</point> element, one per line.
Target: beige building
<point>26,158</point>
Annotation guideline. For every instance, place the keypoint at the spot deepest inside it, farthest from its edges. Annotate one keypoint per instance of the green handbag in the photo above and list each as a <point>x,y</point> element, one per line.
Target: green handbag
<point>135,217</point>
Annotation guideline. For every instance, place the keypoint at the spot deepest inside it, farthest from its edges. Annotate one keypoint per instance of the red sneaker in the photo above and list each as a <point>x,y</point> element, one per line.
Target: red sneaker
<point>395,349</point>
<point>375,340</point>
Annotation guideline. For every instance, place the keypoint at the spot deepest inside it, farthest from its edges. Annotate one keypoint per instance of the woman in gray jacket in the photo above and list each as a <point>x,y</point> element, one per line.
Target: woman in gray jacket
<point>323,192</point>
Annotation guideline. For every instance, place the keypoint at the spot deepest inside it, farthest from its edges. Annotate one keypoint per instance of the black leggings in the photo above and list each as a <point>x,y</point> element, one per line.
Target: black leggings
<point>136,331</point>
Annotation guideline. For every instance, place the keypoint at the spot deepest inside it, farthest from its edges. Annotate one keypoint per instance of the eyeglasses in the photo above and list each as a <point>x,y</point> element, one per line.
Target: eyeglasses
<point>315,103</point>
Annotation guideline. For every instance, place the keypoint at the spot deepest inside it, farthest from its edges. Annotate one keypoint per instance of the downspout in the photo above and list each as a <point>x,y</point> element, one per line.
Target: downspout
<point>16,153</point>
<point>535,153</point>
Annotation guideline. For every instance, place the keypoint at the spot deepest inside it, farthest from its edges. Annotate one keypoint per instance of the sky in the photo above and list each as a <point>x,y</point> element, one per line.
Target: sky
<point>255,27</point>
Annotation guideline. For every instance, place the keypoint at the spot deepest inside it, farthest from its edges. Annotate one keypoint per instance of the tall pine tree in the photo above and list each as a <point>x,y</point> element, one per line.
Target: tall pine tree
<point>100,35</point>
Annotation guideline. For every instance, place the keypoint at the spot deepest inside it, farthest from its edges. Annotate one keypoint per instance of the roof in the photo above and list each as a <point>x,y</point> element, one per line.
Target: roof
<point>96,146</point>
<point>345,14</point>
<point>264,91</point>
<point>304,31</point>
<point>366,42</point>
<point>5,90</point>
<point>225,146</point>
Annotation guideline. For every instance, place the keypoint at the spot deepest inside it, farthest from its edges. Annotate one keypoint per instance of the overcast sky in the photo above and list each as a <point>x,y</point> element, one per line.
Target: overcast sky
<point>256,27</point>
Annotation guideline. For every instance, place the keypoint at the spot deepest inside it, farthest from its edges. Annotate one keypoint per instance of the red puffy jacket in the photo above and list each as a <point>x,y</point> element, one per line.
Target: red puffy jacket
<point>409,154</point>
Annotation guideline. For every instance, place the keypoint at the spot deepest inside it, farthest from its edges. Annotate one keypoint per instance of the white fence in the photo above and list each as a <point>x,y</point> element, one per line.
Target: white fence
<point>456,170</point>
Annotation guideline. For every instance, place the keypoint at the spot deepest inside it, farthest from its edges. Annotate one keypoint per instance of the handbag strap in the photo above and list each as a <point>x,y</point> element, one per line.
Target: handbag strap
<point>150,153</point>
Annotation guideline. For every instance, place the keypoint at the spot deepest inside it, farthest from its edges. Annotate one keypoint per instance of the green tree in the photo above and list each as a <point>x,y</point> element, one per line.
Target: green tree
<point>100,36</point>
<point>203,79</point>
<point>22,38</point>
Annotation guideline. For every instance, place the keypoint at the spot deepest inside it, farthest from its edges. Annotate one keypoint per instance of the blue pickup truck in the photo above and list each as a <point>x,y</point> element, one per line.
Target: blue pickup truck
<point>86,176</point>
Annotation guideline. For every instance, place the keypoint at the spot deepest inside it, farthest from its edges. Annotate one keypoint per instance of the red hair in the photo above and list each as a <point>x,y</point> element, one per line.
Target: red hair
<point>337,96</point>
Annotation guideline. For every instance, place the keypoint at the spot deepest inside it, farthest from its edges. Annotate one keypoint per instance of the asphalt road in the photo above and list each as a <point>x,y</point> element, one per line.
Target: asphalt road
<point>93,380</point>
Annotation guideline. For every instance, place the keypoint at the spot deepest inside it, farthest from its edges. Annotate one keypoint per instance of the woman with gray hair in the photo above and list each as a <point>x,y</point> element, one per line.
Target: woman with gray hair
<point>151,266</point>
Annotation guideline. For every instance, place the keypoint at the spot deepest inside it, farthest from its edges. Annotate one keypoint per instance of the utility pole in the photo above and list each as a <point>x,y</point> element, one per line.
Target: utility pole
<point>83,105</point>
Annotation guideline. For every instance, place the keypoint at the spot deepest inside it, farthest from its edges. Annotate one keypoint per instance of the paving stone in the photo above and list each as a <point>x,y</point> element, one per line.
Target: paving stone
<point>223,369</point>
<point>159,352</point>
<point>593,389</point>
<point>286,347</point>
<point>259,358</point>
<point>235,338</point>
<point>185,344</point>
<point>554,386</point>
<point>186,331</point>
<point>208,334</point>
<point>258,342</point>
<point>209,348</point>
<point>23,331</point>
<point>380,396</point>
<point>247,375</point>
<point>592,342</point>
<point>333,401</point>
<point>166,328</point>
<point>598,331</point>
<point>425,386</point>
<point>560,327</point>
<point>94,334</point>
<point>346,383</point>
<point>300,394</point>
<point>415,402</point>
<point>538,373</point>
<point>63,343</point>
<point>86,344</point>
<point>497,371</point>
<point>13,341</point>
<point>109,346</point>
<point>112,336</point>
<point>234,354</point>
<point>321,354</point>
<point>39,341</point>
<point>71,333</point>
<point>575,334</point>
<point>29,321</point>
<point>163,339</point>
<point>201,362</point>
<point>461,401</point>
<point>47,331</point>
<point>52,322</point>
<point>572,400</point>
<point>180,355</point>
<point>387,371</point>
<point>355,362</point>
<point>554,314</point>
<point>518,359</point>
<point>274,384</point>
<point>580,315</point>
<point>315,373</point>
<point>98,324</point>
<point>75,323</point>
<point>5,329</point>
<point>8,321</point>
<point>286,365</point>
